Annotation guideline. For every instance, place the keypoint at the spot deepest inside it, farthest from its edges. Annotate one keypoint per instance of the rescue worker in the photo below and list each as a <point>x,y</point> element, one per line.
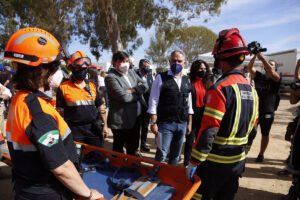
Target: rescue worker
<point>81,104</point>
<point>230,113</point>
<point>39,140</point>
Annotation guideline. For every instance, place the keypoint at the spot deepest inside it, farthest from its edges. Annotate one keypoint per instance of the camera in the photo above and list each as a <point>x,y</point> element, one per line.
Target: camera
<point>254,48</point>
<point>295,85</point>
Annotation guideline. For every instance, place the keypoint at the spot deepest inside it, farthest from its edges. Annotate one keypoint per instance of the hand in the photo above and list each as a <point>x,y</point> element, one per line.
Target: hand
<point>188,129</point>
<point>96,195</point>
<point>105,131</point>
<point>190,170</point>
<point>260,56</point>
<point>130,91</point>
<point>154,129</point>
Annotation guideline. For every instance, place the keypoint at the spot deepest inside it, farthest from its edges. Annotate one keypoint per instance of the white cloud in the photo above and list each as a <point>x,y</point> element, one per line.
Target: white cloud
<point>285,43</point>
<point>271,22</point>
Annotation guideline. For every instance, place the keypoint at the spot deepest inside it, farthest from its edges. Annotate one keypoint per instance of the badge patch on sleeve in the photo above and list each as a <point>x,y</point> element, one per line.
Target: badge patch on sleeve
<point>50,138</point>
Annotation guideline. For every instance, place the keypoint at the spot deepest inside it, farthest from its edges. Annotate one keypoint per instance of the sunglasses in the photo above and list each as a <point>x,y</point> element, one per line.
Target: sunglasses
<point>80,62</point>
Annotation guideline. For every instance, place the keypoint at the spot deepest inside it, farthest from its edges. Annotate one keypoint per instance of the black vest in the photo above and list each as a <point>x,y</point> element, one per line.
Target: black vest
<point>173,103</point>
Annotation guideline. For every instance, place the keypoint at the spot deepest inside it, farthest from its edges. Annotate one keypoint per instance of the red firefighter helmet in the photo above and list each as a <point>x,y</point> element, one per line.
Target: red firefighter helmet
<point>230,43</point>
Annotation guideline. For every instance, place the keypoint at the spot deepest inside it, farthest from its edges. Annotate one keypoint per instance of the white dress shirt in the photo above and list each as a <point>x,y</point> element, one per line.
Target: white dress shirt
<point>155,93</point>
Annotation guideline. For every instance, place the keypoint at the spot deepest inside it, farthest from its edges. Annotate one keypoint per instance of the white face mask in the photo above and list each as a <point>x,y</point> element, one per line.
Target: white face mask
<point>56,78</point>
<point>124,67</point>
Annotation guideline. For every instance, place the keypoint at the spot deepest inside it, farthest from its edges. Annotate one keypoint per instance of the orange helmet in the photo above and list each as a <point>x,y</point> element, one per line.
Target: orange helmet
<point>79,59</point>
<point>230,43</point>
<point>32,46</point>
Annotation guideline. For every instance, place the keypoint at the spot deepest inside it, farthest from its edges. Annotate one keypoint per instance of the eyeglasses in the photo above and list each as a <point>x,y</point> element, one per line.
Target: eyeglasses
<point>80,62</point>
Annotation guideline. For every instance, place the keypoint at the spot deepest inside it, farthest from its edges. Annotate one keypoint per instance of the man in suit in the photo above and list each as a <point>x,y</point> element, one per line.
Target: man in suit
<point>144,72</point>
<point>125,93</point>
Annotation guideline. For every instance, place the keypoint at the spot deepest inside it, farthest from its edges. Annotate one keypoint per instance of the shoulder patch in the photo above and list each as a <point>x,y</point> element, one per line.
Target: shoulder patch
<point>50,138</point>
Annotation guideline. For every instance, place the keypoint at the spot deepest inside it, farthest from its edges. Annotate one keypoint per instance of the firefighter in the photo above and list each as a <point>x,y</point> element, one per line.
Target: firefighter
<point>81,104</point>
<point>39,140</point>
<point>230,113</point>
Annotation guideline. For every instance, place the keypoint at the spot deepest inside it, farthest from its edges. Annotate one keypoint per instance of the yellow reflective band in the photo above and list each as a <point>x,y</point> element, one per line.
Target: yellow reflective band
<point>197,196</point>
<point>254,112</point>
<point>237,111</point>
<point>213,113</point>
<point>226,159</point>
<point>198,155</point>
<point>230,141</point>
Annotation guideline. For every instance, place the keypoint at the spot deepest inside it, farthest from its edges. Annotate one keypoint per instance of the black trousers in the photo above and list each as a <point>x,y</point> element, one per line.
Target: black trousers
<point>144,120</point>
<point>128,138</point>
<point>190,139</point>
<point>216,184</point>
<point>87,134</point>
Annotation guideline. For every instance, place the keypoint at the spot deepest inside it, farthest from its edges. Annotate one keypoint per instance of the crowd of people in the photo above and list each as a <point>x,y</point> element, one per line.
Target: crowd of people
<point>216,112</point>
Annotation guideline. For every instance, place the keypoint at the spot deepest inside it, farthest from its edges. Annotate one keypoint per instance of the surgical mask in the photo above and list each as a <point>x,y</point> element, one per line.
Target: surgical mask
<point>56,78</point>
<point>176,68</point>
<point>145,70</point>
<point>80,74</point>
<point>201,73</point>
<point>124,67</point>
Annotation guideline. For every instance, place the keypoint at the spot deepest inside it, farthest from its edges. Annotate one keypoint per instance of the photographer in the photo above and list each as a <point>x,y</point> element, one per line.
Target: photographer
<point>267,86</point>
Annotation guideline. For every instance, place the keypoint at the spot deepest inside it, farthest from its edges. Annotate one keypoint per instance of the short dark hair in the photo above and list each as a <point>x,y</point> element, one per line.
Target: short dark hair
<point>142,61</point>
<point>119,55</point>
<point>194,68</point>
<point>276,64</point>
<point>30,78</point>
<point>235,60</point>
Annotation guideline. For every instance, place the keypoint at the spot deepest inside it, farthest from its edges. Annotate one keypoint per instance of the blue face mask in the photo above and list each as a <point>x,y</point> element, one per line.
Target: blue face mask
<point>176,68</point>
<point>80,74</point>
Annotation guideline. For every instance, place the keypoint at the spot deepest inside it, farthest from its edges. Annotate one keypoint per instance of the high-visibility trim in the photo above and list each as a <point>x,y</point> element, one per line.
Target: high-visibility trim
<point>213,113</point>
<point>66,134</point>
<point>230,141</point>
<point>226,159</point>
<point>198,155</point>
<point>237,110</point>
<point>197,196</point>
<point>27,35</point>
<point>18,146</point>
<point>81,103</point>
<point>254,112</point>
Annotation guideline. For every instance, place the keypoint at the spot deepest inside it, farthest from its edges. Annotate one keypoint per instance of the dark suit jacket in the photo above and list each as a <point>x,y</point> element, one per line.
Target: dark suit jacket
<point>149,79</point>
<point>122,112</point>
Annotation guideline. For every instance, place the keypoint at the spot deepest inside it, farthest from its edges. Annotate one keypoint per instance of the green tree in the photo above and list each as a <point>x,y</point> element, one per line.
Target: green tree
<point>55,16</point>
<point>194,40</point>
<point>158,49</point>
<point>112,24</point>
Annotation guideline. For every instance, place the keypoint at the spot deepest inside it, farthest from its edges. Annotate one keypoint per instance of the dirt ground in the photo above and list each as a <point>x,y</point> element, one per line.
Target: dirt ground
<point>260,181</point>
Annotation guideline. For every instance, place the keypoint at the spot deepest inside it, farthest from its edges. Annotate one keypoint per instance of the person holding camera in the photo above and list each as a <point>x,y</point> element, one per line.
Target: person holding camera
<point>267,86</point>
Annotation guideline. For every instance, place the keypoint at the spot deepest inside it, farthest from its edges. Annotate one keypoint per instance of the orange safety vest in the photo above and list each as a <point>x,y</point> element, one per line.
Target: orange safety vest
<point>19,117</point>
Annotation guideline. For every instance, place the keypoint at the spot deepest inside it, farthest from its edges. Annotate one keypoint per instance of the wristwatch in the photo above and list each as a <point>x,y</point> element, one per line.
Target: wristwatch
<point>152,123</point>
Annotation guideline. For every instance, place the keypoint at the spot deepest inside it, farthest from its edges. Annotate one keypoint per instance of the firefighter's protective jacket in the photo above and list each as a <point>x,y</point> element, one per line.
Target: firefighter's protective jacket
<point>230,114</point>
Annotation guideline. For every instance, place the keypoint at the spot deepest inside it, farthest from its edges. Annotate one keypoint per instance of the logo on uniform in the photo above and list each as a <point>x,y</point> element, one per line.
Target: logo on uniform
<point>50,138</point>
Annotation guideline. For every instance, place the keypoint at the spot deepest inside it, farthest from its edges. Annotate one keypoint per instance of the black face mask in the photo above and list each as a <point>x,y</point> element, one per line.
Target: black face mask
<point>200,74</point>
<point>80,74</point>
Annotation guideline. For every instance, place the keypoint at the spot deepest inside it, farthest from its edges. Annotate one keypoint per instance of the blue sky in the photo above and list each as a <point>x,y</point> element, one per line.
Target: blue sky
<point>273,23</point>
